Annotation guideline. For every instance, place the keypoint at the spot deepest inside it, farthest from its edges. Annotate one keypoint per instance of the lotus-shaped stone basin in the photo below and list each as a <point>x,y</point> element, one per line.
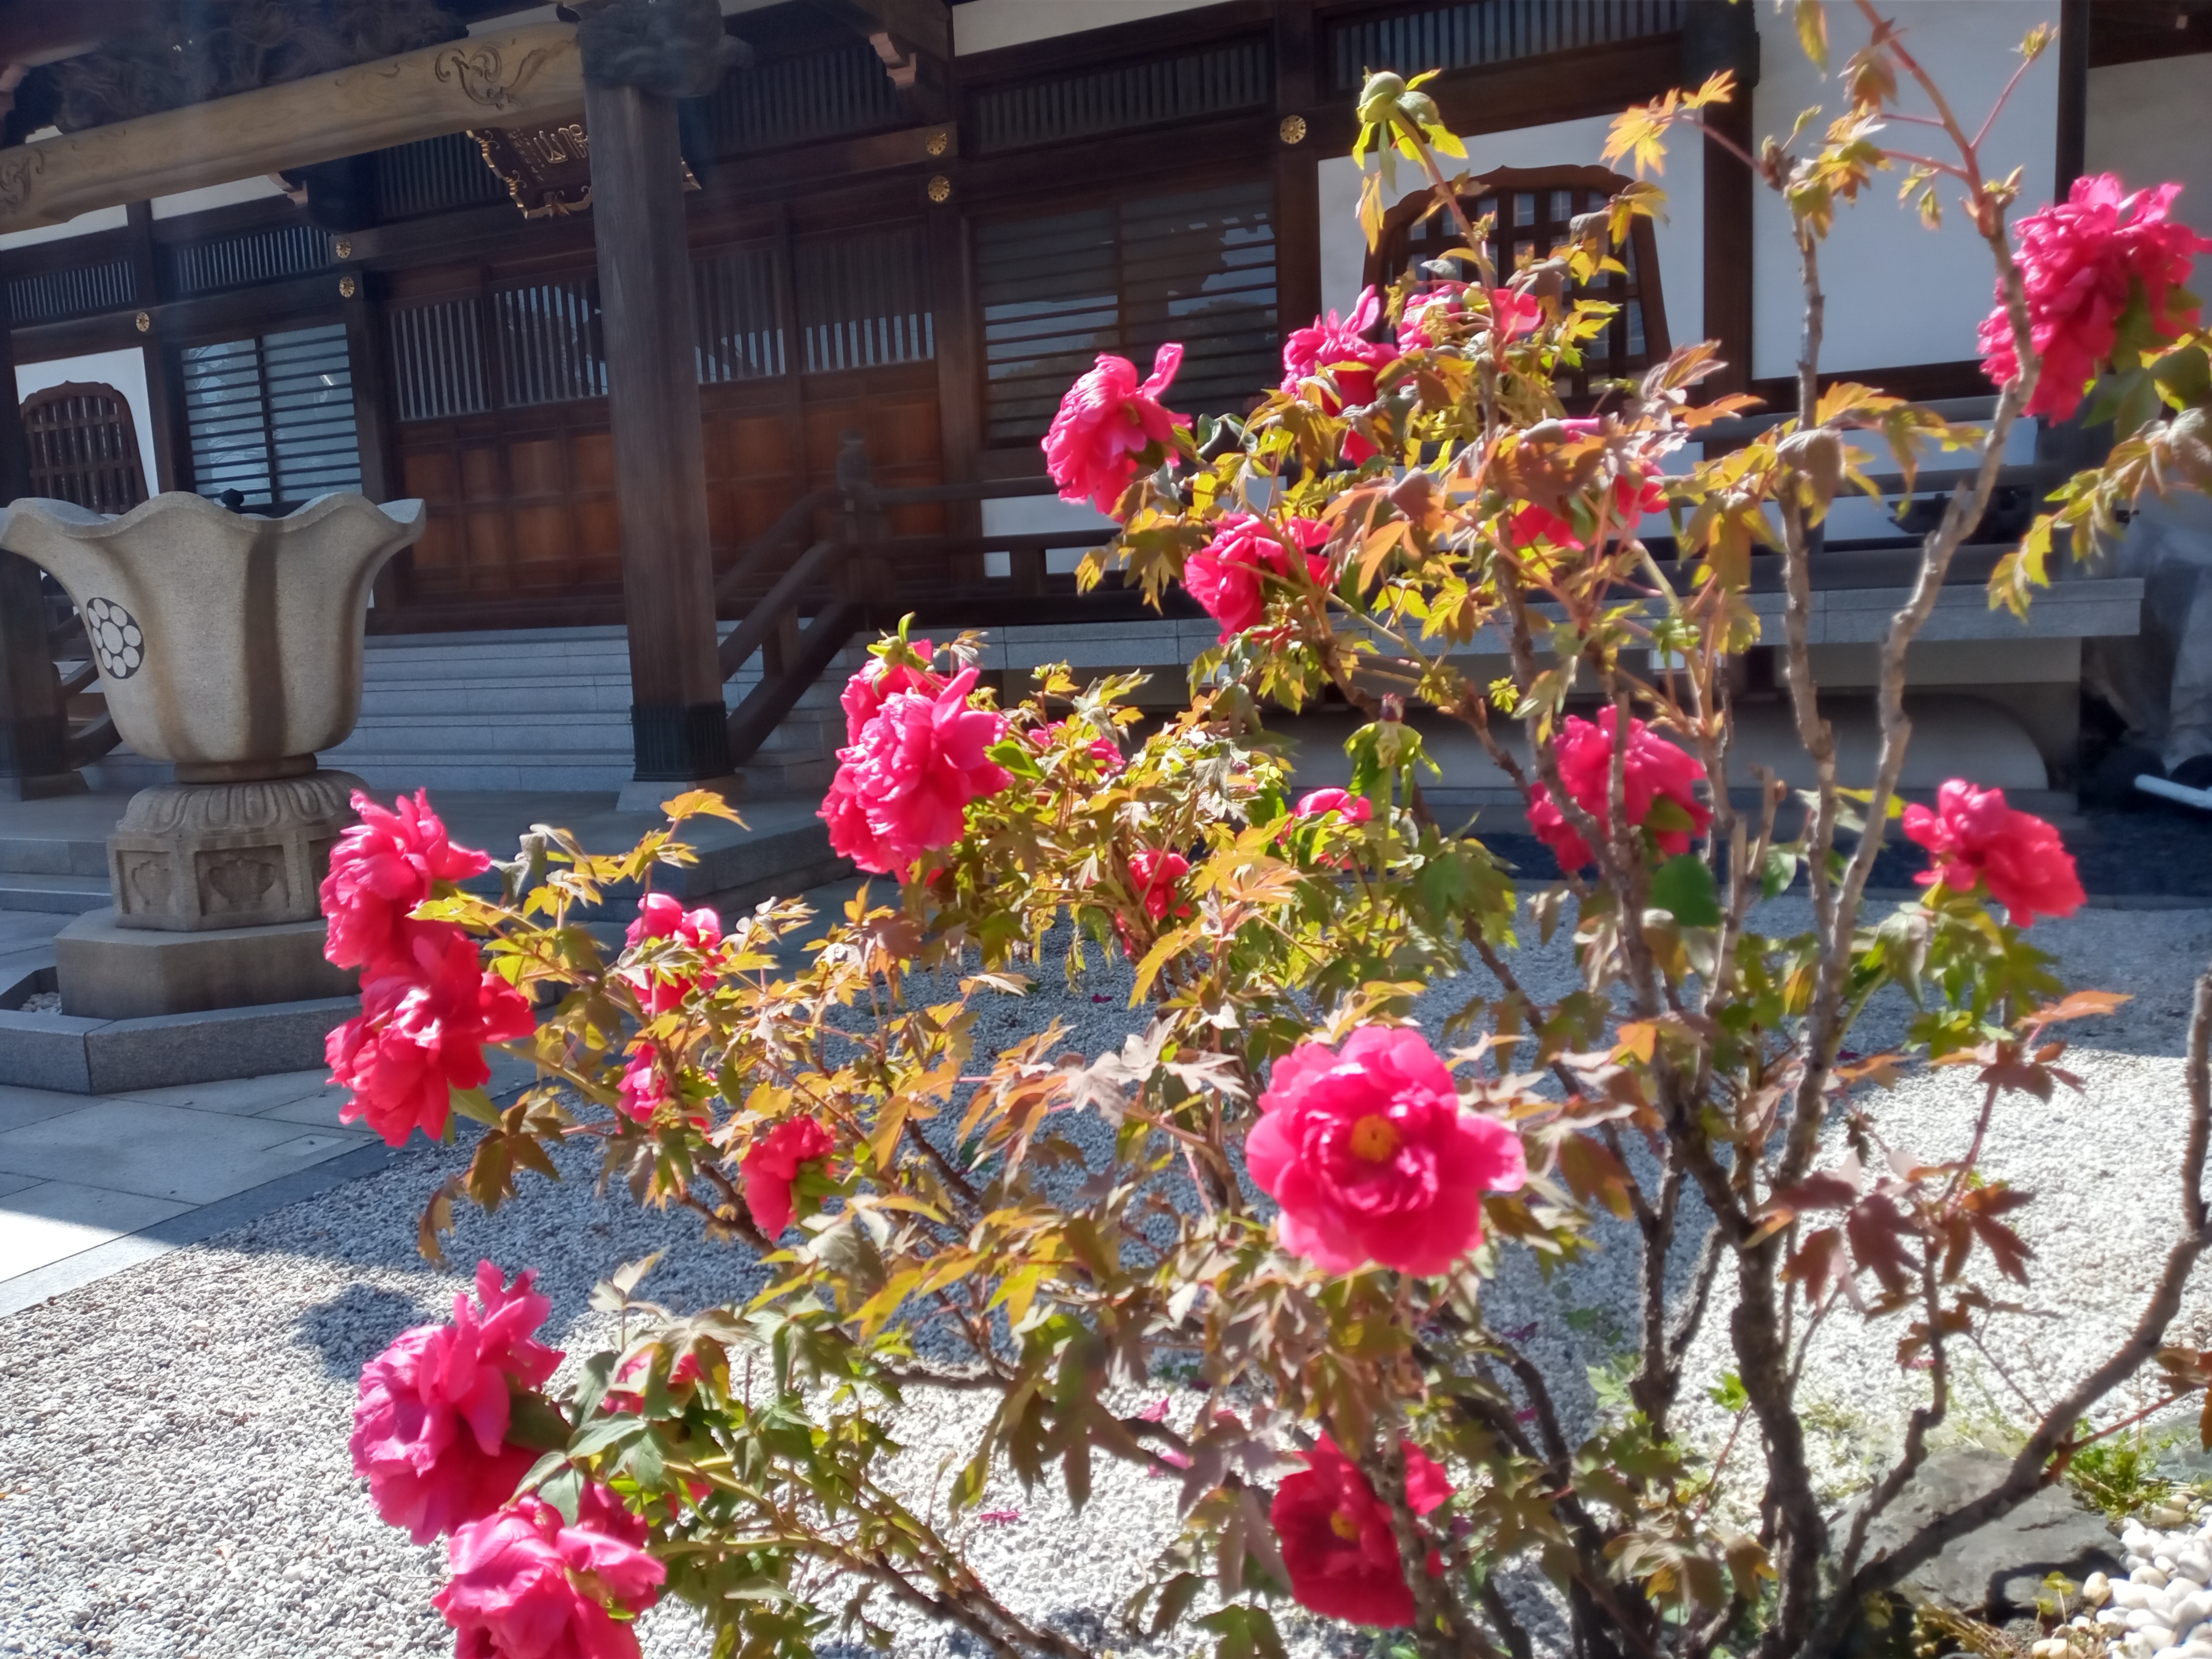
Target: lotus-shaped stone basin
<point>229,643</point>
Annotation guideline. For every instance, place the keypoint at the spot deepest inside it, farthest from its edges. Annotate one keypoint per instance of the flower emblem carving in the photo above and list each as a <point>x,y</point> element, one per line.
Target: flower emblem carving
<point>117,640</point>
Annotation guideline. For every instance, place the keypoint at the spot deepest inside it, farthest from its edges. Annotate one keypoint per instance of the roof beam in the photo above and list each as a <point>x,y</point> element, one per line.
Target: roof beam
<point>515,77</point>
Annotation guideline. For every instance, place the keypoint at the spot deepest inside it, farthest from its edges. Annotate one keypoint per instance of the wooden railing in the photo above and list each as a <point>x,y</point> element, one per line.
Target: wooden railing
<point>856,564</point>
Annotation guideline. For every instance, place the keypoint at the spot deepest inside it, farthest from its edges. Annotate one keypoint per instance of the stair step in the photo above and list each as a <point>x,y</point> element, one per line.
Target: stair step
<point>67,896</point>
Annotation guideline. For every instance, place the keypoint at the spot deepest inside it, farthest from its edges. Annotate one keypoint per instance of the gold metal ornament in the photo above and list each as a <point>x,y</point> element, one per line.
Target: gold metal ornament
<point>342,248</point>
<point>145,321</point>
<point>937,143</point>
<point>348,287</point>
<point>940,189</point>
<point>1293,129</point>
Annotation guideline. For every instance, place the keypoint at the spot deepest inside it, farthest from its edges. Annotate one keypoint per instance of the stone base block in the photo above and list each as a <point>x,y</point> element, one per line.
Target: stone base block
<point>110,971</point>
<point>189,857</point>
<point>111,1056</point>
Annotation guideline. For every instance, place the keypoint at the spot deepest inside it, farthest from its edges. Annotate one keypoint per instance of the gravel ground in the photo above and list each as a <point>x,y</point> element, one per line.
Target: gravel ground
<point>173,1477</point>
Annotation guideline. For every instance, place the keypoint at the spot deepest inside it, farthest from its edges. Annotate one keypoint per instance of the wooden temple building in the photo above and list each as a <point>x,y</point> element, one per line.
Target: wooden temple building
<point>713,352</point>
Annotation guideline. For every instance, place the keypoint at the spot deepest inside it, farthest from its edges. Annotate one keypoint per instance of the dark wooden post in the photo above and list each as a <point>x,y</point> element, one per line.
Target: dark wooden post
<point>1298,168</point>
<point>34,721</point>
<point>2073,122</point>
<point>1716,36</point>
<point>635,68</point>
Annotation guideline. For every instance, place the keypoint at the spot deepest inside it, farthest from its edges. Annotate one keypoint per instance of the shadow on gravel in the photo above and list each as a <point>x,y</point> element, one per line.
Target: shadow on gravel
<point>354,1327</point>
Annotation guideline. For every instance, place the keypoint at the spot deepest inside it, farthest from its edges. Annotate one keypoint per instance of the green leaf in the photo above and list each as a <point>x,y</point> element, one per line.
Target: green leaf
<point>1813,31</point>
<point>1683,887</point>
<point>1778,871</point>
<point>1015,757</point>
<point>475,1104</point>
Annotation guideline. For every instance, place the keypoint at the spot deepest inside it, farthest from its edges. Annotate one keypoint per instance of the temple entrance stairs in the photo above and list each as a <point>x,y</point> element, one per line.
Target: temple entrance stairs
<point>549,709</point>
<point>543,708</point>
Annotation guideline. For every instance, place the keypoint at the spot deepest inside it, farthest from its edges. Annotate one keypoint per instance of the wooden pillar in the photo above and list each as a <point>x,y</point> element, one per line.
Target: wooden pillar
<point>164,429</point>
<point>1298,228</point>
<point>1716,35</point>
<point>33,723</point>
<point>2073,123</point>
<point>677,722</point>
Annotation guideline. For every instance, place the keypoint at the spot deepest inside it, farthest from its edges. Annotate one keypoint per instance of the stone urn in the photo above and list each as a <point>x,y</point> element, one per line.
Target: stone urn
<point>229,644</point>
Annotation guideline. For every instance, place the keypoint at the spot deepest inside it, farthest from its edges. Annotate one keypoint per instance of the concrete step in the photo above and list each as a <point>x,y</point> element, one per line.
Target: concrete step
<point>585,774</point>
<point>769,778</point>
<point>67,896</point>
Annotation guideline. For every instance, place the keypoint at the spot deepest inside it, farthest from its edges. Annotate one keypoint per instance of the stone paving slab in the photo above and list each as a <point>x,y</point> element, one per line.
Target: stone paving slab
<point>21,1108</point>
<point>49,1220</point>
<point>161,1151</point>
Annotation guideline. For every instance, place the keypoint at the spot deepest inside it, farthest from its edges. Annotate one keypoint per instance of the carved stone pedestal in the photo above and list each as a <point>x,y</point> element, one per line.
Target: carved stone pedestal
<point>191,857</point>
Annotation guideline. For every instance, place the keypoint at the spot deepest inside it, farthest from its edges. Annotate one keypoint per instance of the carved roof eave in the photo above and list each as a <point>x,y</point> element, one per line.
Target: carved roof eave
<point>511,77</point>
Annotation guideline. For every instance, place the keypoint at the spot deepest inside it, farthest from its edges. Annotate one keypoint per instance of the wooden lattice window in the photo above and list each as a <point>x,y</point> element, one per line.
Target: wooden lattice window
<point>1058,289</point>
<point>1531,209</point>
<point>84,447</point>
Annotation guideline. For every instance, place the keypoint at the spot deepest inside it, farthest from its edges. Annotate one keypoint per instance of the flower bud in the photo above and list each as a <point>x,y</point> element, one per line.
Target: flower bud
<point>1378,98</point>
<point>1423,109</point>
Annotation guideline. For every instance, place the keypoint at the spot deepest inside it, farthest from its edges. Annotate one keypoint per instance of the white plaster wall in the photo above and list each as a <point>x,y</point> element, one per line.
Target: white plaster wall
<point>1898,292</point>
<point>107,218</point>
<point>1679,236</point>
<point>987,25</point>
<point>216,196</point>
<point>124,370</point>
<point>2151,123</point>
<point>1033,515</point>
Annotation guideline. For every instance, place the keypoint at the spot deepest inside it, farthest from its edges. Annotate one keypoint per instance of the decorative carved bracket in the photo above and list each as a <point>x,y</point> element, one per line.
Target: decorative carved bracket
<point>547,169</point>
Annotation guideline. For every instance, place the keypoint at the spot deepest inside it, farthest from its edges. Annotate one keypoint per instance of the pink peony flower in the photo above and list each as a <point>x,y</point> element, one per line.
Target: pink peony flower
<point>1426,314</point>
<point>642,1087</point>
<point>852,834</point>
<point>2081,264</point>
<point>1223,576</point>
<point>528,1585</point>
<point>1656,770</point>
<point>1513,314</point>
<point>1340,346</point>
<point>864,694</point>
<point>626,1392</point>
<point>1337,1542</point>
<point>420,1034</point>
<point>1355,809</point>
<point>1974,836</point>
<point>1156,873</point>
<point>429,1426</point>
<point>902,789</point>
<point>380,870</point>
<point>1105,421</point>
<point>772,1164</point>
<point>1104,750</point>
<point>660,916</point>
<point>1370,1157</point>
<point>1532,524</point>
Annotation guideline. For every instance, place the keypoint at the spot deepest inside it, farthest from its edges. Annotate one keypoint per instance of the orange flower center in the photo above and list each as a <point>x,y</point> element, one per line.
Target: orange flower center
<point>1340,1524</point>
<point>1374,1138</point>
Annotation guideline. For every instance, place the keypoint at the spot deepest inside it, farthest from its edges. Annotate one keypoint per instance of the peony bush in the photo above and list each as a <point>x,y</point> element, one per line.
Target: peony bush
<point>1297,1195</point>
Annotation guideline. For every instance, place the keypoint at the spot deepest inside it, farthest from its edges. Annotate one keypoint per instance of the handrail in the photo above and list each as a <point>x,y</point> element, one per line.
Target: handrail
<point>792,519</point>
<point>863,498</point>
<point>989,490</point>
<point>762,620</point>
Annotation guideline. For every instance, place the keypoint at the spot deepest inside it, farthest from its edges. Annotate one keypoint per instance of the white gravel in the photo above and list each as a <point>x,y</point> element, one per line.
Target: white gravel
<point>173,1476</point>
